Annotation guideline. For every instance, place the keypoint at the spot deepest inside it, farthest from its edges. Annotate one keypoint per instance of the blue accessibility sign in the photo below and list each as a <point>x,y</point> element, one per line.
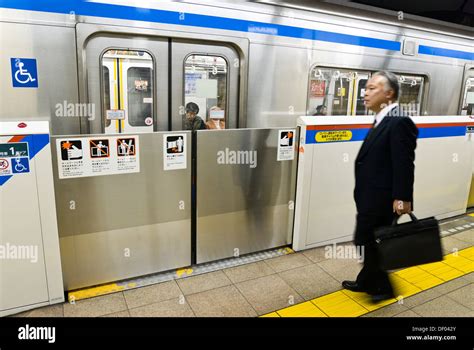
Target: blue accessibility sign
<point>24,72</point>
<point>20,165</point>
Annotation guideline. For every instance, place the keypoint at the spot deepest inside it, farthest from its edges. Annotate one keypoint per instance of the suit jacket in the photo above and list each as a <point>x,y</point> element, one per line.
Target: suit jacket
<point>384,167</point>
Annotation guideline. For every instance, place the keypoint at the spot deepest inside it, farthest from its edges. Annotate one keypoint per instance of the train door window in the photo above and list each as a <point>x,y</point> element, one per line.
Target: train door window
<point>128,91</point>
<point>467,107</point>
<point>336,91</point>
<point>358,106</point>
<point>106,86</point>
<point>205,92</point>
<point>140,98</point>
<point>411,93</point>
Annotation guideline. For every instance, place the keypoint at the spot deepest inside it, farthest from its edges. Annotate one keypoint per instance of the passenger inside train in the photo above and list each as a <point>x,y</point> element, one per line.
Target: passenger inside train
<point>192,121</point>
<point>216,119</point>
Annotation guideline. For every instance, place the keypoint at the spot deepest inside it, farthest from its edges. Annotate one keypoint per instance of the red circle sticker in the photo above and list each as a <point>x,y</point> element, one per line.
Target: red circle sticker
<point>22,125</point>
<point>4,164</point>
<point>149,121</point>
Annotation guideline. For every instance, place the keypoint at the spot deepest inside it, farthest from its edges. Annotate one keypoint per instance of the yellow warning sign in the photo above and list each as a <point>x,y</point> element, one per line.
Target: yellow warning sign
<point>333,136</point>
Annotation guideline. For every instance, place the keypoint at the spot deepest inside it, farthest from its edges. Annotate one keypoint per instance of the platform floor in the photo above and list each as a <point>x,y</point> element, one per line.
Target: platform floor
<point>302,284</point>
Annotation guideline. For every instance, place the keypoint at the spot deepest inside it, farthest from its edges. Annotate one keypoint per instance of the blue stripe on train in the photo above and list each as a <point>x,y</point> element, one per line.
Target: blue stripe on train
<point>438,51</point>
<point>81,7</point>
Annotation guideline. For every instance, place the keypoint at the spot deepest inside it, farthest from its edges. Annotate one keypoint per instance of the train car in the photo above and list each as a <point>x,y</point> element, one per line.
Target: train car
<point>107,67</point>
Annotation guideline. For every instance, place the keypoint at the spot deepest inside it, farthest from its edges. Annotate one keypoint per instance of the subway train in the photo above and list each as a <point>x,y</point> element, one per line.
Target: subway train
<point>105,67</point>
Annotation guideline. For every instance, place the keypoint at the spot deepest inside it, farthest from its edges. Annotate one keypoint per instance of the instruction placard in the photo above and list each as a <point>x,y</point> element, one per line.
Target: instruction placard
<point>14,158</point>
<point>286,147</point>
<point>94,156</point>
<point>174,151</point>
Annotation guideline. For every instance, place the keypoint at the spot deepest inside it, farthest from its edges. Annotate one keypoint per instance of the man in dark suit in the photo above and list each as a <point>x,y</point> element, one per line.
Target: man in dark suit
<point>384,176</point>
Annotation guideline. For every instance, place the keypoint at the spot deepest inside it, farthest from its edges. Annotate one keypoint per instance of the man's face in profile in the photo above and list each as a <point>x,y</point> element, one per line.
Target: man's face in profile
<point>376,98</point>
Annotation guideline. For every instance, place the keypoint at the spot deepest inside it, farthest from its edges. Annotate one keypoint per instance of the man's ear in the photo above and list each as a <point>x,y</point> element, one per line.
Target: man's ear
<point>390,95</point>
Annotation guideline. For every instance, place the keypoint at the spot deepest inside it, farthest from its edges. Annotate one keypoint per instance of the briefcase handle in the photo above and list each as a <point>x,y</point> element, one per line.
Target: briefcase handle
<point>412,216</point>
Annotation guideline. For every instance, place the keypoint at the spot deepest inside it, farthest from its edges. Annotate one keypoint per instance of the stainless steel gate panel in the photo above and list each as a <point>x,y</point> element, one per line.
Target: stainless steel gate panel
<point>114,227</point>
<point>242,208</point>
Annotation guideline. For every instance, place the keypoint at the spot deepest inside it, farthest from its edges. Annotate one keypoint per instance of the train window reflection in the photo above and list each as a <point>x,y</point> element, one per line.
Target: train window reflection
<point>140,100</point>
<point>411,93</point>
<point>106,85</point>
<point>467,107</point>
<point>334,91</point>
<point>205,92</point>
<point>337,91</point>
<point>128,91</point>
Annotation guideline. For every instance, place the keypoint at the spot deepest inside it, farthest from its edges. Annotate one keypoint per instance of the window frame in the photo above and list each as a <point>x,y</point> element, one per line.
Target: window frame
<point>424,90</point>
<point>128,95</point>
<point>469,74</point>
<point>101,82</point>
<point>226,87</point>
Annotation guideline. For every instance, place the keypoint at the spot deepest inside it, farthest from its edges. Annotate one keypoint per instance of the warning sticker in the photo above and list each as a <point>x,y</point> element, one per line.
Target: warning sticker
<point>174,151</point>
<point>99,148</point>
<point>14,158</point>
<point>286,147</point>
<point>92,156</point>
<point>333,136</point>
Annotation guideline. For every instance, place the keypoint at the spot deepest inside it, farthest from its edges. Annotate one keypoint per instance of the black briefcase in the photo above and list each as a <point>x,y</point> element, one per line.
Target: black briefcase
<point>409,244</point>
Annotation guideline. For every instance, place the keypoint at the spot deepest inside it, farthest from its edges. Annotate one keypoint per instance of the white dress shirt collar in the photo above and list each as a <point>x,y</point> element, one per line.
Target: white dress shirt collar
<point>380,115</point>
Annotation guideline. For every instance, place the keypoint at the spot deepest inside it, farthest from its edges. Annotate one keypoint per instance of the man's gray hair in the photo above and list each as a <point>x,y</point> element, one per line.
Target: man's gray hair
<point>391,82</point>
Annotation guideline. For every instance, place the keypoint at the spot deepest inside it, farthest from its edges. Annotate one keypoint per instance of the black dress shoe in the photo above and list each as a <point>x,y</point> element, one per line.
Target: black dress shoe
<point>353,286</point>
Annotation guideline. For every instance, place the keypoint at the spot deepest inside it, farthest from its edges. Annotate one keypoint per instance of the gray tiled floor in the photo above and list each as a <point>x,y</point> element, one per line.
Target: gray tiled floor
<point>467,236</point>
<point>421,298</point>
<point>310,281</point>
<point>177,307</point>
<point>388,311</point>
<point>151,294</point>
<point>268,293</point>
<point>248,272</point>
<point>469,277</point>
<point>265,286</point>
<point>443,306</point>
<point>408,313</point>
<point>288,262</point>
<point>451,244</point>
<point>200,283</point>
<point>464,296</point>
<point>315,254</point>
<point>341,269</point>
<point>221,302</point>
<point>125,313</point>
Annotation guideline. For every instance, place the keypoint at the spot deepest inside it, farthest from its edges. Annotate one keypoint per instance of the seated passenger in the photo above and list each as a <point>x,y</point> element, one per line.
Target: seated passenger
<point>216,119</point>
<point>192,120</point>
<point>320,110</point>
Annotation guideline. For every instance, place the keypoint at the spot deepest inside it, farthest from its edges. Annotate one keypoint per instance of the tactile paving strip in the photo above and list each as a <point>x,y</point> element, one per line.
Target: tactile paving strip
<point>406,282</point>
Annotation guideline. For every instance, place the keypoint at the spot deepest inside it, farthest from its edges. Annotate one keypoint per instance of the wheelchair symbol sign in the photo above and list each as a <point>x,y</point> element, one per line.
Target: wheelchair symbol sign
<point>20,165</point>
<point>24,72</point>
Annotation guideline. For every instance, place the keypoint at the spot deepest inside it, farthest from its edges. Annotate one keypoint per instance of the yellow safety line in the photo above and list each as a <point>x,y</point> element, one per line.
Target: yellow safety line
<point>407,282</point>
